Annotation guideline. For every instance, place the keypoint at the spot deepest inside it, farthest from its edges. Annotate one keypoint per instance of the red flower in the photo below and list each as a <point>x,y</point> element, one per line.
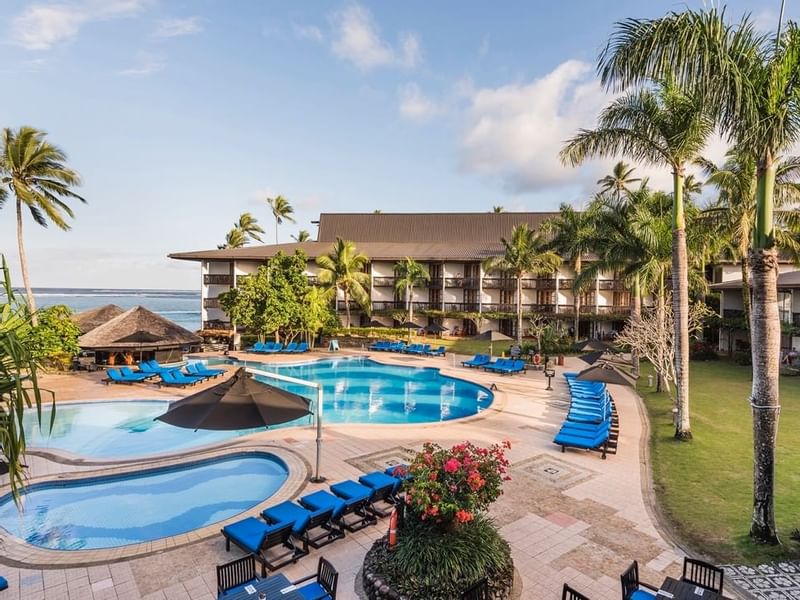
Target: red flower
<point>463,516</point>
<point>451,466</point>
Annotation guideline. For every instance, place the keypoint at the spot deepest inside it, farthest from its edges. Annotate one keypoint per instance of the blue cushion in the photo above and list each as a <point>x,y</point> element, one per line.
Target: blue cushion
<point>248,533</point>
<point>313,591</point>
<point>377,480</point>
<point>641,595</point>
<point>351,492</point>
<point>289,512</point>
<point>3,583</point>
<point>322,500</point>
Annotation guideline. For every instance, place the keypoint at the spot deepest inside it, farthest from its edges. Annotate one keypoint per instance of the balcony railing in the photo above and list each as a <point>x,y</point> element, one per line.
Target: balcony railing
<point>499,283</point>
<point>461,282</point>
<point>612,285</point>
<point>217,324</point>
<point>383,305</point>
<point>461,306</point>
<point>565,284</point>
<point>383,282</point>
<point>210,302</point>
<point>545,283</point>
<point>210,279</point>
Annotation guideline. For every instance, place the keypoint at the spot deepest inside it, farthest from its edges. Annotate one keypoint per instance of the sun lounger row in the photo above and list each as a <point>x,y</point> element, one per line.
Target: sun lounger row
<point>418,349</point>
<point>505,366</point>
<point>287,530</point>
<point>591,422</point>
<point>193,373</point>
<point>277,348</point>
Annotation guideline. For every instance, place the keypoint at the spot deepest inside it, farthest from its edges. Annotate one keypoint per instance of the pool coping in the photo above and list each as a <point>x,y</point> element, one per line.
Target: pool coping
<point>17,552</point>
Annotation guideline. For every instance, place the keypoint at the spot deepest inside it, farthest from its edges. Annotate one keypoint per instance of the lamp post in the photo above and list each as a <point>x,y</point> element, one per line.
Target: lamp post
<point>549,372</point>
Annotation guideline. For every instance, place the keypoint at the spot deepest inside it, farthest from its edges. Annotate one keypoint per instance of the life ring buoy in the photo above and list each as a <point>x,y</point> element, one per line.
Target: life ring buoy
<point>393,531</point>
<point>537,359</point>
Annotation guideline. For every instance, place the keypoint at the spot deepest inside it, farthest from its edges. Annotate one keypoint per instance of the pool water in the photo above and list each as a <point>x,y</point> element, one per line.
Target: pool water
<point>107,512</point>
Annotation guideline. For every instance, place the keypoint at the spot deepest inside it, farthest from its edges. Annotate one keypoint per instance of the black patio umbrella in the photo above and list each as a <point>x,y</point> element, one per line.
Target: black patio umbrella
<point>376,323</point>
<point>410,325</point>
<point>607,373</point>
<point>592,357</point>
<point>239,402</point>
<point>594,346</point>
<point>436,328</point>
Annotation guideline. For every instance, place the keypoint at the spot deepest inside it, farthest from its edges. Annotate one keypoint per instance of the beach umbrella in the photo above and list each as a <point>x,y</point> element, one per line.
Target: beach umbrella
<point>410,325</point>
<point>376,323</point>
<point>436,328</point>
<point>594,346</point>
<point>607,373</point>
<point>494,336</point>
<point>592,357</point>
<point>239,402</point>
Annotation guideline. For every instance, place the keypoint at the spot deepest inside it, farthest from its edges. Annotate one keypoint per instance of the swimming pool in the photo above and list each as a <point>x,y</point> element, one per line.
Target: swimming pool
<point>356,390</point>
<point>107,512</point>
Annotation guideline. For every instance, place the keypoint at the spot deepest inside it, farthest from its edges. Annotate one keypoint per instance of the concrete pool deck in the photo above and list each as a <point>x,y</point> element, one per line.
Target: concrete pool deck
<point>569,517</point>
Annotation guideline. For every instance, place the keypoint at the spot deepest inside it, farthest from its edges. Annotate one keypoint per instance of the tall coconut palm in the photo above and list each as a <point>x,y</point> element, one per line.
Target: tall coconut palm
<point>749,80</point>
<point>343,269</point>
<point>34,171</point>
<point>572,235</point>
<point>525,252</point>
<point>235,239</point>
<point>281,210</point>
<point>619,180</point>
<point>667,127</point>
<point>408,274</point>
<point>249,226</point>
<point>302,236</point>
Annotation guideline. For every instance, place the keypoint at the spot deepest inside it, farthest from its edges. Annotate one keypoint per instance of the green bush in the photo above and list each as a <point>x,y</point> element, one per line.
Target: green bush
<point>54,341</point>
<point>744,359</point>
<point>432,564</point>
<point>383,332</point>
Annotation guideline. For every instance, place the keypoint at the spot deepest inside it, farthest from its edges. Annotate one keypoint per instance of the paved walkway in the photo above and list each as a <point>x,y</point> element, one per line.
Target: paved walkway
<point>569,517</point>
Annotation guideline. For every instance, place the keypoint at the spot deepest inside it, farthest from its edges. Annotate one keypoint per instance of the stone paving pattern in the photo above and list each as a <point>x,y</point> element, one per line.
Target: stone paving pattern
<point>569,517</point>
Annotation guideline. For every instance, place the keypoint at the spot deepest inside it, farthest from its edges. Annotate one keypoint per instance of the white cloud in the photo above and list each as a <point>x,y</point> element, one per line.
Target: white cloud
<point>515,132</point>
<point>415,106</point>
<point>177,27</point>
<point>308,32</point>
<point>483,49</point>
<point>145,64</point>
<point>42,26</point>
<point>766,21</point>
<point>357,39</point>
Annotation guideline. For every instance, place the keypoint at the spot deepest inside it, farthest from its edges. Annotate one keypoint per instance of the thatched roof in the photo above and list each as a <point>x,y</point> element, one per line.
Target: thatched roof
<point>90,319</point>
<point>136,329</point>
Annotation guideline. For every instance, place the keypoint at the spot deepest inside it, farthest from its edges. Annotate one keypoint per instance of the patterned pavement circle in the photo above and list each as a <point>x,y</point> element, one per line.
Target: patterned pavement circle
<point>770,581</point>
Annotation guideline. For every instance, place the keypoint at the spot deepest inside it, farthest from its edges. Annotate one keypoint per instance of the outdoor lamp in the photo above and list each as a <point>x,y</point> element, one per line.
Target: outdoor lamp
<point>549,372</point>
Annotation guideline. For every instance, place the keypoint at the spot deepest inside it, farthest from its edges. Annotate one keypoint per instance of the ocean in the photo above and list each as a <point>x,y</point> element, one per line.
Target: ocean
<point>180,306</point>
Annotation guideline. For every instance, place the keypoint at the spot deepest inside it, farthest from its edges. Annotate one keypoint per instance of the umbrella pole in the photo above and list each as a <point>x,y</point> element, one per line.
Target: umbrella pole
<point>316,478</point>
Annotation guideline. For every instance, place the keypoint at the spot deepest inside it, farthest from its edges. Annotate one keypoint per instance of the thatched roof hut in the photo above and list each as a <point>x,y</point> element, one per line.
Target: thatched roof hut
<point>91,319</point>
<point>138,334</point>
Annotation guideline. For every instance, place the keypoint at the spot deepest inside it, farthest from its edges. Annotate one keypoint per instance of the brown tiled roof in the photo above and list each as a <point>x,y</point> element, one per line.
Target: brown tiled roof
<point>375,250</point>
<point>425,227</point>
<point>786,280</point>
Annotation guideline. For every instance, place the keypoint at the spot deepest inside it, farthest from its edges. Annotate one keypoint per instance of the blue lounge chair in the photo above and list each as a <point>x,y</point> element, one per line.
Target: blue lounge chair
<point>381,346</point>
<point>291,347</point>
<point>585,439</point>
<point>172,379</point>
<point>342,508</point>
<point>440,351</point>
<point>198,370</point>
<point>304,523</point>
<point>324,584</point>
<point>258,538</point>
<point>275,348</point>
<point>115,376</point>
<point>497,365</point>
<point>301,348</point>
<point>127,372</point>
<point>477,361</point>
<point>384,489</point>
<point>257,347</point>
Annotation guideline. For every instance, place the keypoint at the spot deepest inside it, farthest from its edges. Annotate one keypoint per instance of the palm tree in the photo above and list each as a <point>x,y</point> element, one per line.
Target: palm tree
<point>34,171</point>
<point>249,226</point>
<point>573,234</point>
<point>281,210</point>
<point>619,180</point>
<point>235,239</point>
<point>342,269</point>
<point>666,127</point>
<point>377,211</point>
<point>748,80</point>
<point>525,252</point>
<point>409,273</point>
<point>498,209</point>
<point>302,236</point>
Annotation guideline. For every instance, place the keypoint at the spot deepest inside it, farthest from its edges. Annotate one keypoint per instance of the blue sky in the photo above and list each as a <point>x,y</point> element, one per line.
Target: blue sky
<point>180,115</point>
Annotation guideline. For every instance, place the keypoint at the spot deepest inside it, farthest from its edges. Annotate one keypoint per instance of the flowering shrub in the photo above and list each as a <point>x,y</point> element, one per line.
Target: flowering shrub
<point>451,486</point>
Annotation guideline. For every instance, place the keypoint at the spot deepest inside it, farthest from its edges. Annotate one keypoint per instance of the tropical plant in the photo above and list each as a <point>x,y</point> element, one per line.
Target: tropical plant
<point>343,269</point>
<point>235,239</point>
<point>619,180</point>
<point>749,82</point>
<point>19,381</point>
<point>54,340</point>
<point>34,172</point>
<point>498,209</point>
<point>281,210</point>
<point>249,226</point>
<point>302,236</point>
<point>317,312</point>
<point>525,252</point>
<point>669,127</point>
<point>408,274</point>
<point>572,236</point>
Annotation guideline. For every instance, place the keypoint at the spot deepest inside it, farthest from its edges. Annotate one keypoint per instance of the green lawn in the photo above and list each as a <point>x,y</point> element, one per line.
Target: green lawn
<point>705,486</point>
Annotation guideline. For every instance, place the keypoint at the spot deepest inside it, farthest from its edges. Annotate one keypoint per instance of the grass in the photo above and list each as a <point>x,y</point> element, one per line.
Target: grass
<point>705,486</point>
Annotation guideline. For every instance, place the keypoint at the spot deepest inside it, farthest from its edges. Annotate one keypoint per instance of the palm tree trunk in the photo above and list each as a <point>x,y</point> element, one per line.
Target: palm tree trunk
<point>636,313</point>
<point>346,308</point>
<point>519,309</point>
<point>23,265</point>
<point>576,298</point>
<point>765,337</point>
<point>745,288</point>
<point>661,316</point>
<point>680,308</point>
<point>410,297</point>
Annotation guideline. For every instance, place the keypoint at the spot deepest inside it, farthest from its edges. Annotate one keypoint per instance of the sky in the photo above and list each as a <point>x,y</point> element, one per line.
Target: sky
<point>182,114</point>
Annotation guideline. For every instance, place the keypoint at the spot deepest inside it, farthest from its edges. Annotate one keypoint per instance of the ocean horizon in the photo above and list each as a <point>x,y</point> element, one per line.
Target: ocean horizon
<point>179,306</point>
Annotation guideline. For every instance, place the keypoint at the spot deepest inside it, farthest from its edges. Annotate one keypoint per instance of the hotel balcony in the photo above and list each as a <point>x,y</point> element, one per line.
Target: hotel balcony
<point>383,281</point>
<point>501,283</point>
<point>462,282</point>
<point>211,303</point>
<point>217,324</point>
<point>384,305</point>
<point>209,279</point>
<point>546,283</point>
<point>461,306</point>
<point>612,285</point>
<point>565,284</point>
